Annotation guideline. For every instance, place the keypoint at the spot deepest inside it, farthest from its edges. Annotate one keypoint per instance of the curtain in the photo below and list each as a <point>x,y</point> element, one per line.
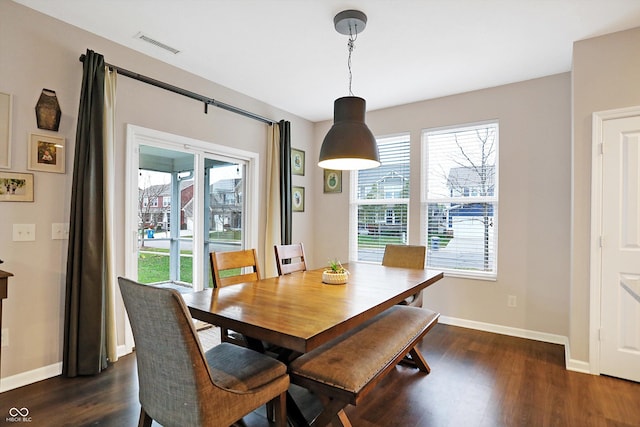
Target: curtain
<point>285,181</point>
<point>109,174</point>
<point>273,228</point>
<point>84,351</point>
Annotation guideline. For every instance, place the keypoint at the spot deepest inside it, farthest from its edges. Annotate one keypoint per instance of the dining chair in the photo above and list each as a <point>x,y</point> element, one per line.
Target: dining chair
<point>230,268</point>
<point>406,256</point>
<point>179,383</point>
<point>290,258</point>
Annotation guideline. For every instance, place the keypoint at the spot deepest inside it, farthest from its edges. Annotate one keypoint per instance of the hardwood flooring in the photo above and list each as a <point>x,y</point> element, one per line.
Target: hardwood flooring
<point>477,379</point>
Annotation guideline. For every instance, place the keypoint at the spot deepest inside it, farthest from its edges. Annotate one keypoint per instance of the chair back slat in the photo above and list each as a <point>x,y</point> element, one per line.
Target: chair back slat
<point>229,268</point>
<point>290,258</point>
<point>406,256</point>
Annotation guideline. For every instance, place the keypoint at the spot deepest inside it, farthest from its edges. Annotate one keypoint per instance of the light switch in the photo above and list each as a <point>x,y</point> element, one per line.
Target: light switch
<point>59,231</point>
<point>24,232</point>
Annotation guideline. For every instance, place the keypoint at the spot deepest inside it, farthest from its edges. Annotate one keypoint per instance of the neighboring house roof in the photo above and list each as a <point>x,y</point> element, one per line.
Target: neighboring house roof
<point>226,185</point>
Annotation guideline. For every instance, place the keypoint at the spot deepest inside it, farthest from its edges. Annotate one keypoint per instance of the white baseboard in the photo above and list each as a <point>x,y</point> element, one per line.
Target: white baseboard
<point>46,372</point>
<point>30,377</point>
<point>123,350</point>
<point>570,364</point>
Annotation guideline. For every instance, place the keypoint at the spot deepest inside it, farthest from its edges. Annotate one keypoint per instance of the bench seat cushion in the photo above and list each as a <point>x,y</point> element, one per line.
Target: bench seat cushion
<point>352,361</point>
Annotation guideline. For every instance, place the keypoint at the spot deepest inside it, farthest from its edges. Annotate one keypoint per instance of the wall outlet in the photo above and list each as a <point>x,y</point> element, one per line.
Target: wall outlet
<point>511,301</point>
<point>5,337</point>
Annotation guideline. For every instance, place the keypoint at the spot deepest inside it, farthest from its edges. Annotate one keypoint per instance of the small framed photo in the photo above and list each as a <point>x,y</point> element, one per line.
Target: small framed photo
<point>297,199</point>
<point>5,130</point>
<point>16,187</point>
<point>297,162</point>
<point>332,181</point>
<point>46,153</point>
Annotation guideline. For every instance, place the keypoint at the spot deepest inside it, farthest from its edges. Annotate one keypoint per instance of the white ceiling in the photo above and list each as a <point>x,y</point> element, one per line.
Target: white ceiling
<point>288,54</point>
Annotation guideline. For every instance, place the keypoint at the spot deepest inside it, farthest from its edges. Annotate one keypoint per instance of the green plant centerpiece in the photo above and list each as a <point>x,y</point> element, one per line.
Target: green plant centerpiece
<point>335,274</point>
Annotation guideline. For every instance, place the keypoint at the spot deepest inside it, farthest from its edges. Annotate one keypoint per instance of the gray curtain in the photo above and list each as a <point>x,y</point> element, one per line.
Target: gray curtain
<point>84,350</point>
<point>285,180</point>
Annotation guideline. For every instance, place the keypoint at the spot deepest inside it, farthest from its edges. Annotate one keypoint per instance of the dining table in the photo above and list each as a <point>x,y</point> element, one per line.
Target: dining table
<point>297,312</point>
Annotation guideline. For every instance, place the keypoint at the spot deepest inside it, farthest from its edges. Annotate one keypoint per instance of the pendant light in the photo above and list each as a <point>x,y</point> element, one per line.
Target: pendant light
<point>349,144</point>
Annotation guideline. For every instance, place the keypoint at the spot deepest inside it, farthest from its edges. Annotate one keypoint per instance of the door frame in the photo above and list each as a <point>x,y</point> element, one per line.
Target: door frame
<point>595,274</point>
<point>138,135</point>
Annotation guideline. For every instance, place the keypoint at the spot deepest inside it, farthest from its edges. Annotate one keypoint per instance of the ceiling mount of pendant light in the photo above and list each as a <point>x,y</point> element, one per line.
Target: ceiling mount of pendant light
<point>349,144</point>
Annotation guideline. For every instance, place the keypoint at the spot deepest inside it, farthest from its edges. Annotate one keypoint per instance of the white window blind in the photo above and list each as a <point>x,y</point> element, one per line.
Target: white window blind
<point>460,203</point>
<point>380,201</point>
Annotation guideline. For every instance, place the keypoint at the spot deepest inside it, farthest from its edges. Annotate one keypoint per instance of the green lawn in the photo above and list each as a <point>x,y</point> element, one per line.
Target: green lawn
<point>369,241</point>
<point>154,267</point>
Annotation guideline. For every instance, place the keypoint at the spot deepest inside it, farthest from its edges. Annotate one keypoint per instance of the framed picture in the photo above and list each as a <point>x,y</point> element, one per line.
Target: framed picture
<point>46,153</point>
<point>16,187</point>
<point>297,162</point>
<point>5,130</point>
<point>297,199</point>
<point>332,181</point>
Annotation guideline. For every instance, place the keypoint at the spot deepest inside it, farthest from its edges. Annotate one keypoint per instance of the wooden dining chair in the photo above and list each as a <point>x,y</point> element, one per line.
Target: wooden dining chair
<point>179,383</point>
<point>290,258</point>
<point>406,256</point>
<point>230,268</point>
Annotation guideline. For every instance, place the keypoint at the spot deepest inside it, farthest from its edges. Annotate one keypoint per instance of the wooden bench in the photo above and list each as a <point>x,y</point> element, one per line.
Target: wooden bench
<point>343,371</point>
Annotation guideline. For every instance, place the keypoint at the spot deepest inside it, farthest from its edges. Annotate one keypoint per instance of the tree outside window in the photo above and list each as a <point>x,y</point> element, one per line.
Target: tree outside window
<point>461,203</point>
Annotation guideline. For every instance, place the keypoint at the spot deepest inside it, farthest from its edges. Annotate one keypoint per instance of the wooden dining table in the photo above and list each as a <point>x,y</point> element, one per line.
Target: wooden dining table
<point>299,312</point>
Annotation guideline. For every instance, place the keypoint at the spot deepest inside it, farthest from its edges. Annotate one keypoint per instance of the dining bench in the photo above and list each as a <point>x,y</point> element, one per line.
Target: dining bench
<point>343,371</point>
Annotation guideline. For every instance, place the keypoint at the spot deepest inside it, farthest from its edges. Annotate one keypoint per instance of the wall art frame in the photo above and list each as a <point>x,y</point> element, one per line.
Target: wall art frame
<point>332,181</point>
<point>16,187</point>
<point>297,199</point>
<point>46,153</point>
<point>5,130</point>
<point>297,162</point>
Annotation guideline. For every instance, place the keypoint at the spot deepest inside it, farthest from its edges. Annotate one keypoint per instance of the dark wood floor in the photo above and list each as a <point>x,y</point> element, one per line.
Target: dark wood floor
<point>477,379</point>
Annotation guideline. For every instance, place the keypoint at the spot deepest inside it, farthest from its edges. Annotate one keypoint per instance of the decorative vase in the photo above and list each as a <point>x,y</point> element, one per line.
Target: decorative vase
<point>48,110</point>
<point>333,278</point>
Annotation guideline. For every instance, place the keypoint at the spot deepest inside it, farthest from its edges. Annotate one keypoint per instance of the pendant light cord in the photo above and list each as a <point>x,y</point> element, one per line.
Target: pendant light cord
<point>351,45</point>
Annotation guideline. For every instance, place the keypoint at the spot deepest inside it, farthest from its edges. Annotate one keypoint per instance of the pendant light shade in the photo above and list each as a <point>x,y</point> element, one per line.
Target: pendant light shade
<point>349,144</point>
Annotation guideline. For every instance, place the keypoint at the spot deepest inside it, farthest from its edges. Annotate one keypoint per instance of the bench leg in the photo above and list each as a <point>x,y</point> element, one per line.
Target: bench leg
<point>419,360</point>
<point>341,419</point>
<point>333,411</point>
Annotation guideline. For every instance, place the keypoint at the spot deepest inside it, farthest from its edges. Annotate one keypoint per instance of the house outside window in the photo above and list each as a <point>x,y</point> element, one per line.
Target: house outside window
<point>380,201</point>
<point>460,199</point>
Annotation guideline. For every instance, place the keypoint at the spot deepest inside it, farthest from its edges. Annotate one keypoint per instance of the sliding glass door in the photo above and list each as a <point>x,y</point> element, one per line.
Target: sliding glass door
<point>184,201</point>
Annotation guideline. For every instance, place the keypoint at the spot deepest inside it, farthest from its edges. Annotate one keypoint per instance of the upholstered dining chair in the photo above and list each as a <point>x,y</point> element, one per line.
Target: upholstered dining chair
<point>290,258</point>
<point>407,256</point>
<point>180,384</point>
<point>230,268</point>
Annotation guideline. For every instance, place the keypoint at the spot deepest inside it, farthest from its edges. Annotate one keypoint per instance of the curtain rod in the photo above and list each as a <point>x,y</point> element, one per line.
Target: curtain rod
<point>206,100</point>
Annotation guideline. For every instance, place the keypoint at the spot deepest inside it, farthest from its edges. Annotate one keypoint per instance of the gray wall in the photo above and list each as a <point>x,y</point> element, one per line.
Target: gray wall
<point>541,172</point>
<point>606,76</point>
<point>39,52</point>
<point>534,204</point>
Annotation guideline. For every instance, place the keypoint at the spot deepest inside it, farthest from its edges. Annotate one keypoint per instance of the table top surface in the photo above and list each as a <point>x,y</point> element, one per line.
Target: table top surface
<point>299,312</point>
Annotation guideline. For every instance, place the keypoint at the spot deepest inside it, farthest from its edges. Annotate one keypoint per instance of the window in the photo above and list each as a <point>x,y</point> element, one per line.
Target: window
<point>380,201</point>
<point>460,202</point>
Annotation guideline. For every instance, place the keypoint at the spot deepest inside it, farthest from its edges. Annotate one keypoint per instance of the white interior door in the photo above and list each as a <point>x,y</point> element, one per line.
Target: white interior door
<point>620,280</point>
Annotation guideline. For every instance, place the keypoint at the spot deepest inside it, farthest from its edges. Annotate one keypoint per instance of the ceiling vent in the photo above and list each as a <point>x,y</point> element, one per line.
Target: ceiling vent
<point>154,42</point>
